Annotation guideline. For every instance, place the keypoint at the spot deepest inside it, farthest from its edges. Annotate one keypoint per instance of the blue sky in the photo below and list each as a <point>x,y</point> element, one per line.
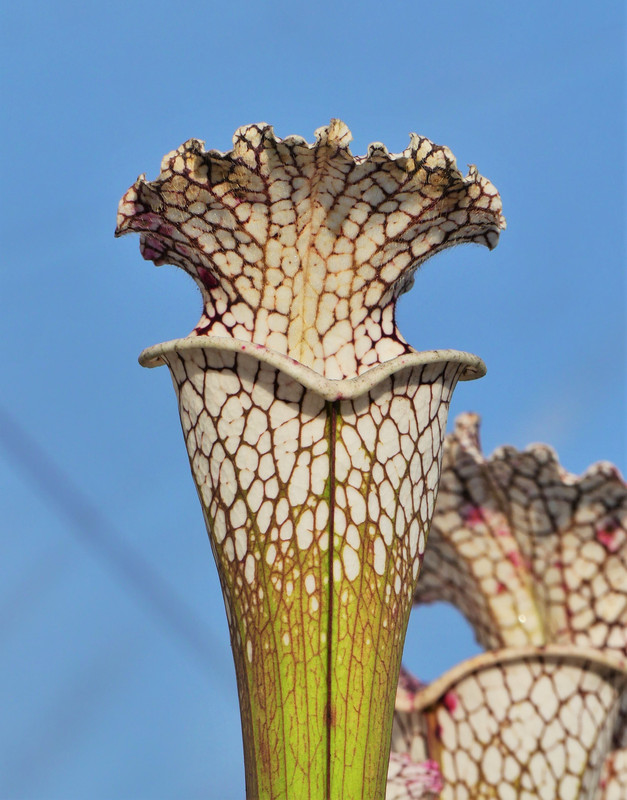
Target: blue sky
<point>107,694</point>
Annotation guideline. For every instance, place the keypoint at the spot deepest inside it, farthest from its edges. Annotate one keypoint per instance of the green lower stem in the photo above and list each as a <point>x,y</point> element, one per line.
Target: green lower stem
<point>317,714</point>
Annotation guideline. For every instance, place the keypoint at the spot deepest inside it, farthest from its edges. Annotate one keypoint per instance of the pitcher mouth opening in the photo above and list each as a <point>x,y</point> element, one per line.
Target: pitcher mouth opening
<point>472,367</point>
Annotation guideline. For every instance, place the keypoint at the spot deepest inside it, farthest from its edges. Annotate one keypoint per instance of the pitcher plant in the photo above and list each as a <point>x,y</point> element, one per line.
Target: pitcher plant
<point>536,560</point>
<point>314,430</point>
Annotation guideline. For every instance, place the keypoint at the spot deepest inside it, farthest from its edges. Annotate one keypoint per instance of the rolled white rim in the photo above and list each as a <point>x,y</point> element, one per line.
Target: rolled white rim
<point>330,389</point>
<point>433,692</point>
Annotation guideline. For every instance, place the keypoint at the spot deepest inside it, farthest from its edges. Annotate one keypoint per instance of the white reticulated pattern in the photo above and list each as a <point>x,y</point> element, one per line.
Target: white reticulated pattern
<point>318,513</point>
<point>260,444</point>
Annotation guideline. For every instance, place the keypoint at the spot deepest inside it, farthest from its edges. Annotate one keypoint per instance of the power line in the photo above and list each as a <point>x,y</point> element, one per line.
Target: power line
<point>94,530</point>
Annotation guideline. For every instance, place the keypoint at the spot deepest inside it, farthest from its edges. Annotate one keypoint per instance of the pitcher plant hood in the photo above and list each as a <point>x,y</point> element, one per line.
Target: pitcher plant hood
<point>531,554</point>
<point>303,248</point>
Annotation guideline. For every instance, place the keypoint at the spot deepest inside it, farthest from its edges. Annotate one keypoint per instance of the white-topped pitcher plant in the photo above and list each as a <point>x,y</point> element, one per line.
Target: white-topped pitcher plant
<point>536,559</point>
<point>314,431</point>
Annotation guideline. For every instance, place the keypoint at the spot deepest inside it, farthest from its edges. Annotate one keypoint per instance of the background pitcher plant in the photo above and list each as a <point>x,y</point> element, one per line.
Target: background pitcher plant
<point>536,560</point>
<point>314,430</point>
